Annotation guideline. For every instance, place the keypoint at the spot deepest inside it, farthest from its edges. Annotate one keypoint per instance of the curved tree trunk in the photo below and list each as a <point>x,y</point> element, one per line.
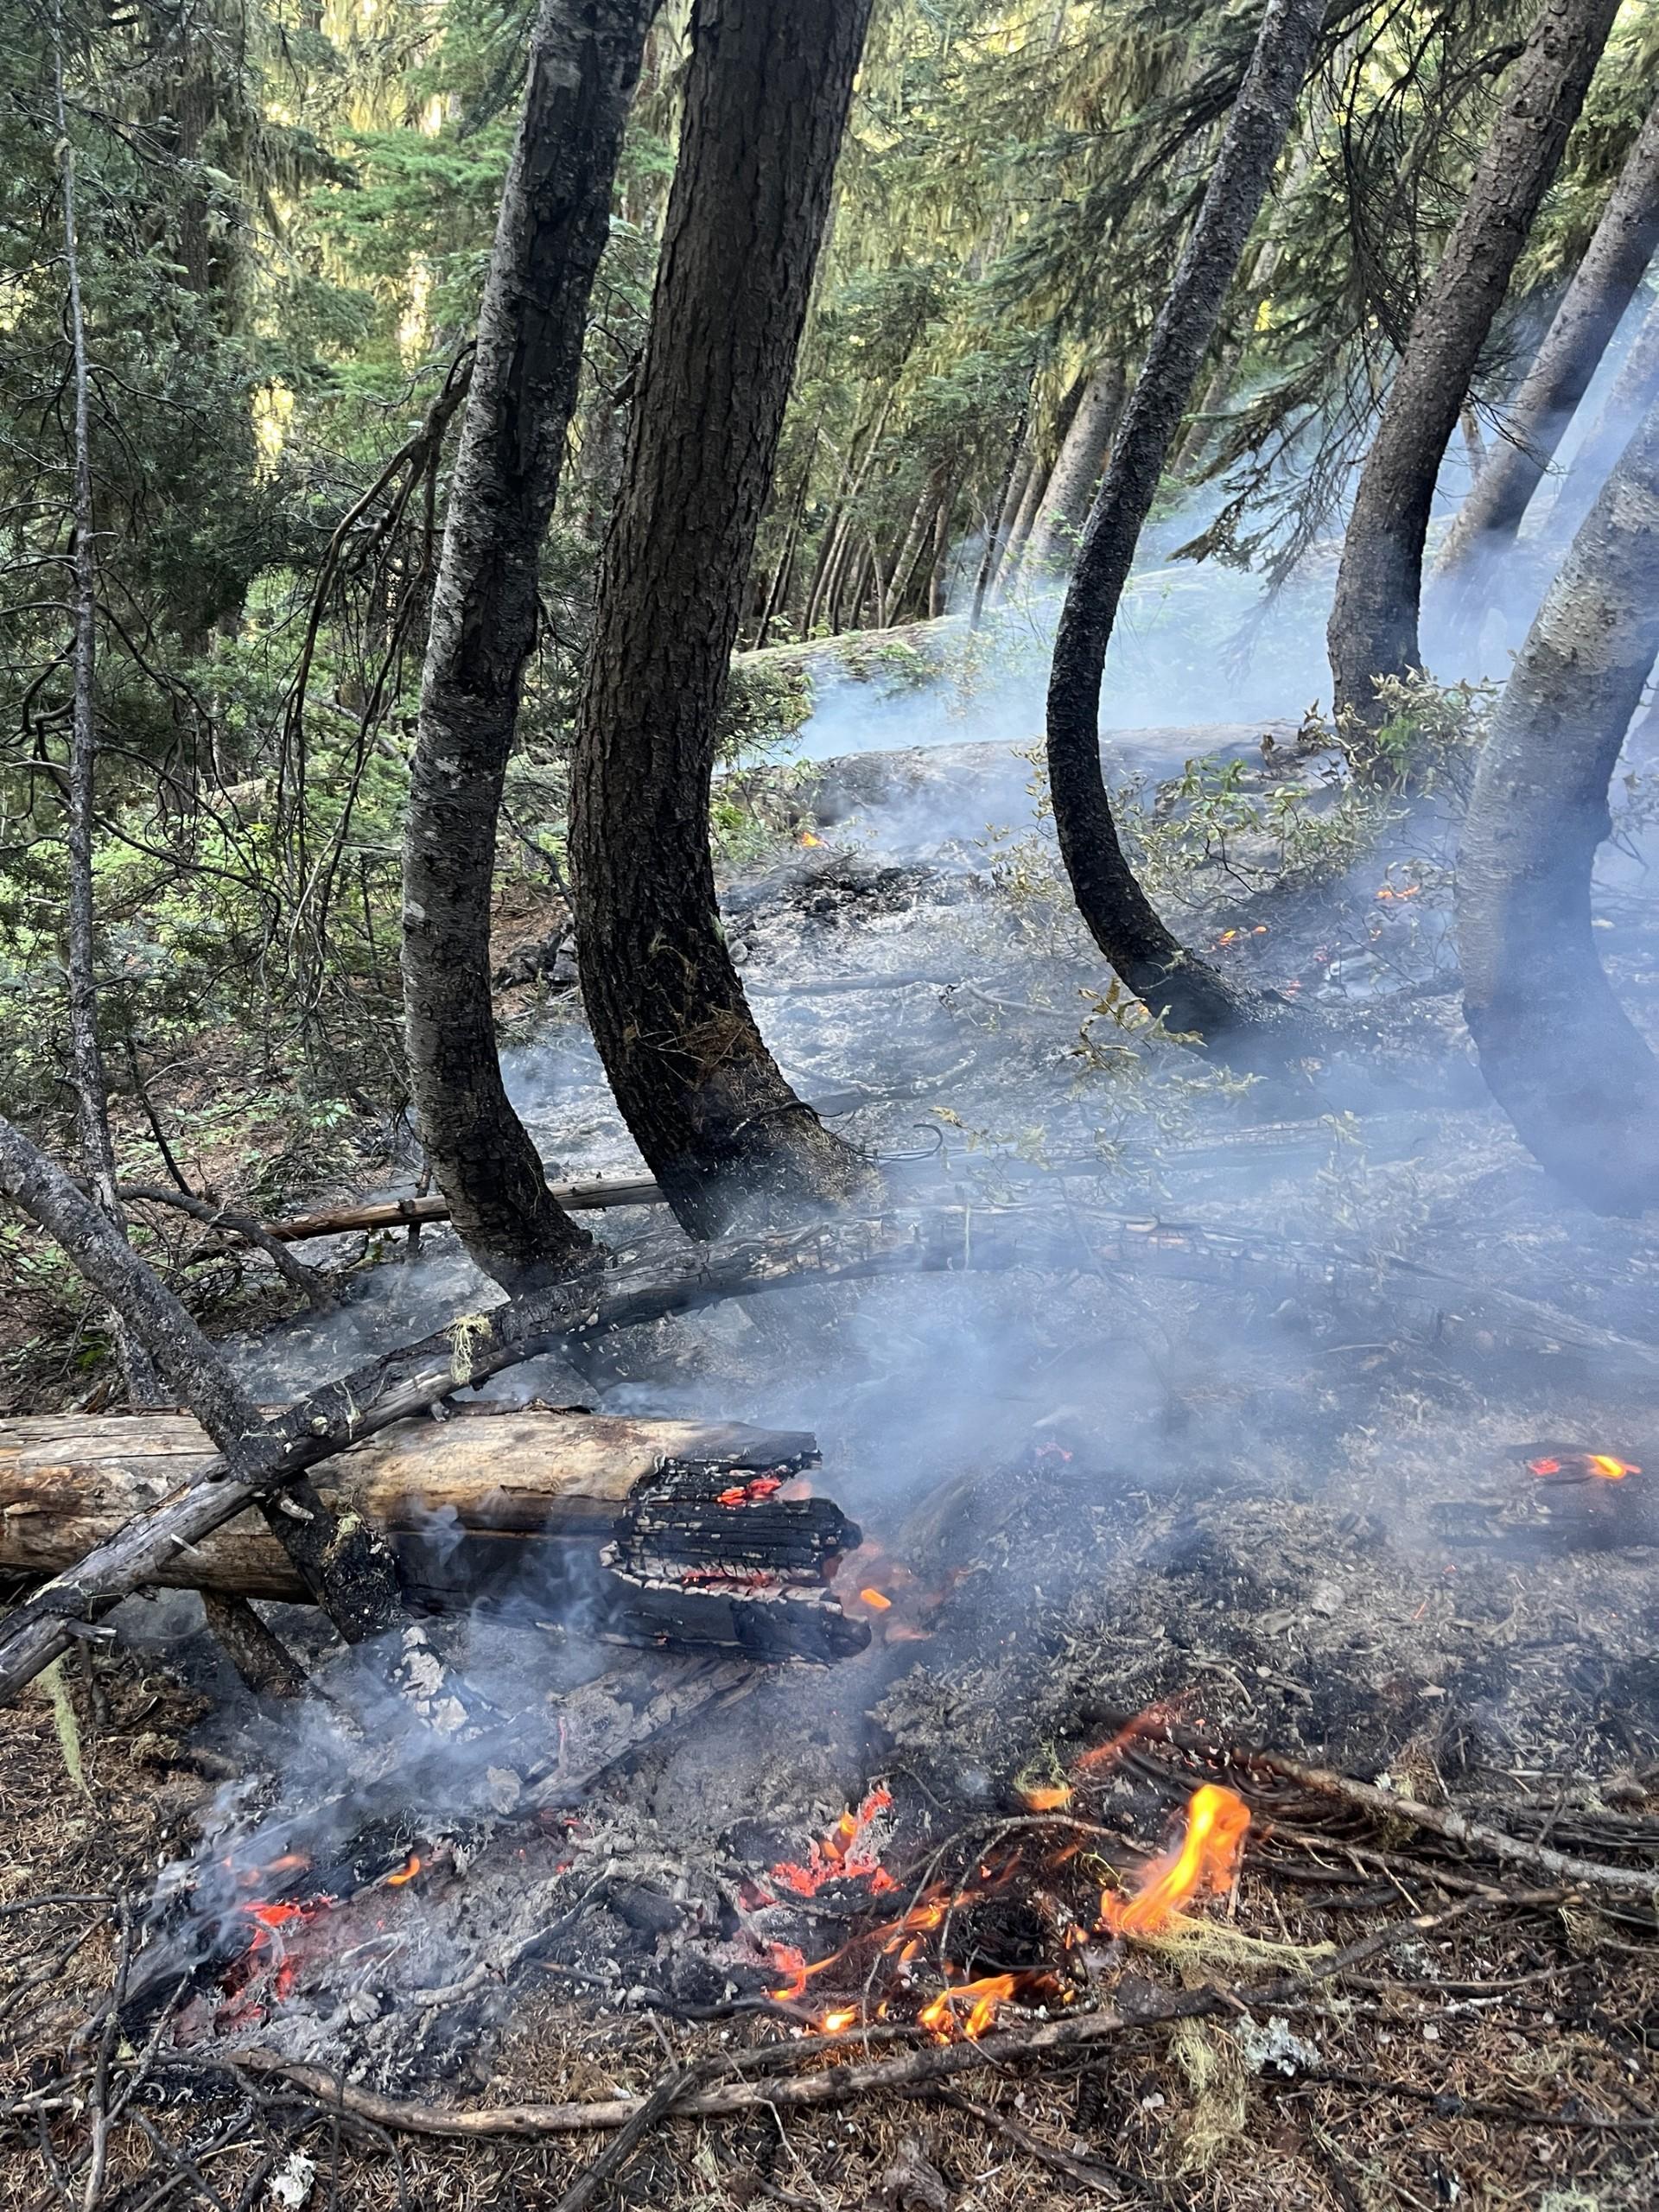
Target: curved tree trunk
<point>1124,925</point>
<point>1603,287</point>
<point>553,224</point>
<point>1373,626</point>
<point>1071,491</point>
<point>767,92</point>
<point>1561,1057</point>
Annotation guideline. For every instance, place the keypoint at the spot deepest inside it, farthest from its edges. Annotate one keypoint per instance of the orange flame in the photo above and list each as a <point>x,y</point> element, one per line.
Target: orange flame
<point>406,1873</point>
<point>838,2022</point>
<point>1602,1465</point>
<point>849,1851</point>
<point>1046,1797</point>
<point>875,1599</point>
<point>1203,1862</point>
<point>981,1998</point>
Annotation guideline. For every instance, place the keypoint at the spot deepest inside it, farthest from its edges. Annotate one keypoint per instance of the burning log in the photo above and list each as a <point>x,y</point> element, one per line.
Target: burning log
<point>689,1534</point>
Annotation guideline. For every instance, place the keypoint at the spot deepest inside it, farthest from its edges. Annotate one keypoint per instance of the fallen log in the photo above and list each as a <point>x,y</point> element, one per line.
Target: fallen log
<point>664,1276</point>
<point>667,1532</point>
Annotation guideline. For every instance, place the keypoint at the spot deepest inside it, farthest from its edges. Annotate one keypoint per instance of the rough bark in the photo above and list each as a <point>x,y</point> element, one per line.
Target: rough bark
<point>552,227</point>
<point>1562,1059</point>
<point>1603,287</point>
<point>1009,495</point>
<point>766,99</point>
<point>1122,921</point>
<point>1373,626</point>
<point>1064,509</point>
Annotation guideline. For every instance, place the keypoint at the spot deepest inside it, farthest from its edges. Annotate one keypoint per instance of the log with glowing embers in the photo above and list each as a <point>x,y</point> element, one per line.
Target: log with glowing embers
<point>692,1534</point>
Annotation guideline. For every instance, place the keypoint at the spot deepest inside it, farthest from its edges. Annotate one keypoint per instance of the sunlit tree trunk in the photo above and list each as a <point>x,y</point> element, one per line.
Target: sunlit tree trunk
<point>1564,1061</point>
<point>1065,503</point>
<point>1373,626</point>
<point>1122,921</point>
<point>1602,289</point>
<point>767,92</point>
<point>552,230</point>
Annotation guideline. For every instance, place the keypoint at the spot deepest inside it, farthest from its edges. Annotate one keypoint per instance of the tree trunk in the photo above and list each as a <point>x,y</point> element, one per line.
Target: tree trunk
<point>85,1056</point>
<point>1634,391</point>
<point>552,228</point>
<point>1571,1070</point>
<point>1122,921</point>
<point>1055,534</point>
<point>1011,564</point>
<point>767,92</point>
<point>1603,287</point>
<point>1009,495</point>
<point>1373,626</point>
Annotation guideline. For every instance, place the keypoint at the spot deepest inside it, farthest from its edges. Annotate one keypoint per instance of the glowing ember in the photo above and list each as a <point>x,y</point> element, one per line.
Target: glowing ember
<point>406,1873</point>
<point>849,1851</point>
<point>1046,1797</point>
<point>1204,1863</point>
<point>753,1492</point>
<point>875,1599</point>
<point>982,1999</point>
<point>1602,1465</point>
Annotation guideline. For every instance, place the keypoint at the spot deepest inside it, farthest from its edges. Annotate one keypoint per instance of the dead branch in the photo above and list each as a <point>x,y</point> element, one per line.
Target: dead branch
<point>398,1213</point>
<point>306,1280</point>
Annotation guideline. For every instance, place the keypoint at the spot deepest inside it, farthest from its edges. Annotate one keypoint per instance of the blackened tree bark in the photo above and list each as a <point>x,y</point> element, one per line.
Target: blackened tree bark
<point>1124,923</point>
<point>1071,490</point>
<point>1561,1057</point>
<point>552,227</point>
<point>767,92</point>
<point>1373,626</point>
<point>1592,309</point>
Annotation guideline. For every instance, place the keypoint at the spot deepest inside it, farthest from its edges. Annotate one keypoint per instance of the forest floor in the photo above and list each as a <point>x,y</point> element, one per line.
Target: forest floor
<point>1275,1514</point>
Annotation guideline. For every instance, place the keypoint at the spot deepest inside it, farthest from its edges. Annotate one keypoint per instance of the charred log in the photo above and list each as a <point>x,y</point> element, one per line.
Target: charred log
<point>691,1535</point>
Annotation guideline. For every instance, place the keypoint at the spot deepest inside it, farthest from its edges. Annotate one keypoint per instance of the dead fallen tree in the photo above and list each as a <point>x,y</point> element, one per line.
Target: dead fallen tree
<point>671,1531</point>
<point>664,1277</point>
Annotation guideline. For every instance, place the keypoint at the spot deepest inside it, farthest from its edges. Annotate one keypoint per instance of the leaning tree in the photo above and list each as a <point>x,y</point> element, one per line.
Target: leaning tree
<point>767,97</point>
<point>1561,1057</point>
<point>552,230</point>
<point>1122,919</point>
<point>1373,627</point>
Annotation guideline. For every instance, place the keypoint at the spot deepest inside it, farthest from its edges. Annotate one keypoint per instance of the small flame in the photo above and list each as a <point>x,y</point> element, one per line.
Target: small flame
<point>406,1873</point>
<point>1204,1863</point>
<point>981,1998</point>
<point>807,838</point>
<point>1046,1797</point>
<point>838,2022</point>
<point>849,1851</point>
<point>1602,1465</point>
<point>877,1600</point>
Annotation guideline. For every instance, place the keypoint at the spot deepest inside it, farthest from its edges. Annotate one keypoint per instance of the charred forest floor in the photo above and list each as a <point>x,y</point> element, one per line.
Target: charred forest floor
<point>1131,1532</point>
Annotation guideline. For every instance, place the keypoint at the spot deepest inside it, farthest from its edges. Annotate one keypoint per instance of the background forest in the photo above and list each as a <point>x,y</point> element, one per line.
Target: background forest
<point>284,219</point>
